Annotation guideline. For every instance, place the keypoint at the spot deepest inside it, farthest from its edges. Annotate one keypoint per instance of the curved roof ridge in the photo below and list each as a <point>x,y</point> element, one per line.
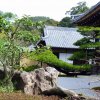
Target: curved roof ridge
<point>59,28</point>
<point>61,37</point>
<point>88,11</point>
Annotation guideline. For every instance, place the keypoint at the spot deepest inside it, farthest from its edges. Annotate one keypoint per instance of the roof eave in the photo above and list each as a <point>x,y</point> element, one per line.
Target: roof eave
<point>87,13</point>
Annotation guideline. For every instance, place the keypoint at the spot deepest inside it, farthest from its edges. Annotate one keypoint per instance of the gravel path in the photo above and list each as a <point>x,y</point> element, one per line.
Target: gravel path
<point>82,84</point>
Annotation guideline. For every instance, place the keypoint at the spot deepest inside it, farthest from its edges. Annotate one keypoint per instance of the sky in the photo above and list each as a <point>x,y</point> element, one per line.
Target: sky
<point>54,9</point>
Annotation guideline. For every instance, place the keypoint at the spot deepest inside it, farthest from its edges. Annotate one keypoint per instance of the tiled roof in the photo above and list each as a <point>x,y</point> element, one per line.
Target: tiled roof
<point>87,12</point>
<point>61,37</point>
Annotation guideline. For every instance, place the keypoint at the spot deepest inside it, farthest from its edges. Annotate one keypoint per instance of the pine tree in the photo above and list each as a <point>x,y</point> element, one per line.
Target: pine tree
<point>89,45</point>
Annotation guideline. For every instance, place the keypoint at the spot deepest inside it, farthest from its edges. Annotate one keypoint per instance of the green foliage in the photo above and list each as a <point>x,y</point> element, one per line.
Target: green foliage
<point>44,20</point>
<point>28,36</point>
<point>4,87</point>
<point>39,18</point>
<point>91,45</point>
<point>80,8</point>
<point>66,22</point>
<point>86,67</point>
<point>51,22</point>
<point>88,29</point>
<point>30,68</point>
<point>8,16</point>
<point>46,56</point>
<point>4,25</point>
<point>20,32</point>
<point>78,55</point>
<point>82,41</point>
<point>82,55</point>
<point>90,41</point>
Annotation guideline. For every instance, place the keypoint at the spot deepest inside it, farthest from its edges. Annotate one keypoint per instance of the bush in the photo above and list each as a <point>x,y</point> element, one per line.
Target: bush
<point>46,56</point>
<point>78,55</point>
<point>30,68</point>
<point>6,87</point>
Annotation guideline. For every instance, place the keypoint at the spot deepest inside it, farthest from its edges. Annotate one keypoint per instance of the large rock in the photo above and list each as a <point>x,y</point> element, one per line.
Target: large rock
<point>62,92</point>
<point>43,81</point>
<point>39,80</point>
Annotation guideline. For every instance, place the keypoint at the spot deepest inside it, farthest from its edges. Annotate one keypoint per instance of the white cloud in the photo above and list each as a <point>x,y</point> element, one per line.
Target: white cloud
<point>51,8</point>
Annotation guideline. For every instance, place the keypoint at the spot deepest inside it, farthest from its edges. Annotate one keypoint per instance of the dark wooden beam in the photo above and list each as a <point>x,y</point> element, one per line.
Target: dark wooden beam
<point>92,21</point>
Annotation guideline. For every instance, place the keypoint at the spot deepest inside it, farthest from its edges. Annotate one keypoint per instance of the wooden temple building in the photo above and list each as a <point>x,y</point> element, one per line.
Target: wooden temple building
<point>90,17</point>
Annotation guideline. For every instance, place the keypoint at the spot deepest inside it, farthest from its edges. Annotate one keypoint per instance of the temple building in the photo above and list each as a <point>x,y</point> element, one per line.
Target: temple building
<point>90,17</point>
<point>61,40</point>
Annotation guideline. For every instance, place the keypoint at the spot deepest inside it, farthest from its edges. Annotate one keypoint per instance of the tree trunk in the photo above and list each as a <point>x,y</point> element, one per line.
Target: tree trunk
<point>5,71</point>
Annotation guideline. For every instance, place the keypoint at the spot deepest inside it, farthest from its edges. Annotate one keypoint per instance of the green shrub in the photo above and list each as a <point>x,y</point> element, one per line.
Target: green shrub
<point>6,87</point>
<point>78,55</point>
<point>46,56</point>
<point>30,68</point>
<point>85,67</point>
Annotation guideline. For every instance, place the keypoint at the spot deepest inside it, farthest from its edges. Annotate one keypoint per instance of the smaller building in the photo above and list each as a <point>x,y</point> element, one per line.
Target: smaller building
<point>61,40</point>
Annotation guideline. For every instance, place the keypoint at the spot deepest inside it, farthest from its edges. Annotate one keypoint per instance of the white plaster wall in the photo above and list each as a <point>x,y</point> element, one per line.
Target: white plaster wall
<point>65,56</point>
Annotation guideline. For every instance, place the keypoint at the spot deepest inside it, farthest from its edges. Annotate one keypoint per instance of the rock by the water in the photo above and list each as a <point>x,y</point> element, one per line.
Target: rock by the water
<point>39,80</point>
<point>62,92</point>
<point>44,81</point>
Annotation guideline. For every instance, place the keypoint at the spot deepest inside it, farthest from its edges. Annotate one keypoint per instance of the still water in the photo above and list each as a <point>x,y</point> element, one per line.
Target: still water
<point>81,84</point>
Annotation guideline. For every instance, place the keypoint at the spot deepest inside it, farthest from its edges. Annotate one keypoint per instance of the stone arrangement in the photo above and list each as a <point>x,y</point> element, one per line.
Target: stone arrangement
<point>39,80</point>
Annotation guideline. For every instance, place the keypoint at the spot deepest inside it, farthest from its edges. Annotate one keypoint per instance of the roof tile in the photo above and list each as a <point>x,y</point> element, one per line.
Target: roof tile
<point>61,37</point>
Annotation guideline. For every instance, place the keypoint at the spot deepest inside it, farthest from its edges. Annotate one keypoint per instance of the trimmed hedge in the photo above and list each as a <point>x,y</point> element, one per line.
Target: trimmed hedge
<point>46,56</point>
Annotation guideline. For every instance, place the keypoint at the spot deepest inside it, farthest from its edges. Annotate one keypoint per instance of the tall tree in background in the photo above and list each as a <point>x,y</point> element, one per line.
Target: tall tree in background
<point>44,20</point>
<point>39,18</point>
<point>79,9</point>
<point>66,22</point>
<point>8,16</point>
<point>51,22</point>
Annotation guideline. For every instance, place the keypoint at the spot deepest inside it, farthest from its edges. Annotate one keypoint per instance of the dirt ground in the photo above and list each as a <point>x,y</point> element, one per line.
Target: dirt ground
<point>22,96</point>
